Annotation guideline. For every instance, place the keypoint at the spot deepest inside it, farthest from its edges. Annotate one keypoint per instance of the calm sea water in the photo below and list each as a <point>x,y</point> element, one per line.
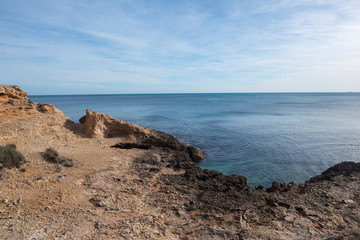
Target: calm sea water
<point>265,137</point>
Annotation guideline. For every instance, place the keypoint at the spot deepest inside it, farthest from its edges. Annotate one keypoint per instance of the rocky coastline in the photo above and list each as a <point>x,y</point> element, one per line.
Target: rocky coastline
<point>131,182</point>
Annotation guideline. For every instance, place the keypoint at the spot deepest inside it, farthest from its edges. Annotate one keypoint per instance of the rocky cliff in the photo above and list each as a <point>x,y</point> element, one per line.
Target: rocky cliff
<point>12,92</point>
<point>131,182</point>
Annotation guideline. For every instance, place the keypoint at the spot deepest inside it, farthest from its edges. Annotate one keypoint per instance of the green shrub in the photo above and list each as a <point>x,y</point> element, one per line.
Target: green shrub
<point>10,157</point>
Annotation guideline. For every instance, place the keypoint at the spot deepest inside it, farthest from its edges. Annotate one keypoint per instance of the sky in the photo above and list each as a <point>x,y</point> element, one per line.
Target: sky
<point>167,46</point>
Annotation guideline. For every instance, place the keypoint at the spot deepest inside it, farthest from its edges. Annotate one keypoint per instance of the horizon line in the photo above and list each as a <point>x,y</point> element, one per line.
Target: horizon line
<point>100,94</point>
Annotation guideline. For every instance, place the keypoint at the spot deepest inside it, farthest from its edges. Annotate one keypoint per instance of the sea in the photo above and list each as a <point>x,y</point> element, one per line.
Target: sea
<point>264,136</point>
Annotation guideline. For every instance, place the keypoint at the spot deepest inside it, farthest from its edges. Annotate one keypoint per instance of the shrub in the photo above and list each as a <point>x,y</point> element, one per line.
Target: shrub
<point>10,157</point>
<point>50,155</point>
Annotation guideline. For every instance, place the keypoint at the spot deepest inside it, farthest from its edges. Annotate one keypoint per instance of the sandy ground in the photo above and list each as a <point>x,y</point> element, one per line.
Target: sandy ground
<point>39,201</point>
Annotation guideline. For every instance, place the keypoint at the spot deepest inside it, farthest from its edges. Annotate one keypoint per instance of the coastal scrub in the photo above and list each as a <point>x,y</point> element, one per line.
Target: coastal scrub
<point>10,157</point>
<point>50,155</point>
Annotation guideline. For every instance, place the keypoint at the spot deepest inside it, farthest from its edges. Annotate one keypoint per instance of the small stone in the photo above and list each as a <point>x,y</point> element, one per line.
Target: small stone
<point>136,228</point>
<point>30,183</point>
<point>39,178</point>
<point>329,224</point>
<point>97,225</point>
<point>350,203</point>
<point>311,231</point>
<point>289,218</point>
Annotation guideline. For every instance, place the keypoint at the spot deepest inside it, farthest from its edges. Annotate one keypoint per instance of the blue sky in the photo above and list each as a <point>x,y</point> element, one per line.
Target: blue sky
<point>168,46</point>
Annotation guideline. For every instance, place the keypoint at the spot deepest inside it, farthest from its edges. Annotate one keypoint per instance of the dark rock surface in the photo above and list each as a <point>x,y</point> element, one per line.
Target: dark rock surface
<point>205,204</point>
<point>344,168</point>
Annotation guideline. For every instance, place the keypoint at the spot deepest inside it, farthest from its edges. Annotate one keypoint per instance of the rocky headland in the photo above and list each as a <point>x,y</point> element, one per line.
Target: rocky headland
<point>108,179</point>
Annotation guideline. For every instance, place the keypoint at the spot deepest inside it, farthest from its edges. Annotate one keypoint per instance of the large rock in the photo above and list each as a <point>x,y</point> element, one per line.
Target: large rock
<point>14,100</point>
<point>12,91</point>
<point>47,108</point>
<point>100,125</point>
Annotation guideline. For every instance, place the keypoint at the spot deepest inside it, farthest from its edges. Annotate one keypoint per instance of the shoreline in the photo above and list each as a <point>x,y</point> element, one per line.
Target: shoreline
<point>289,138</point>
<point>135,182</point>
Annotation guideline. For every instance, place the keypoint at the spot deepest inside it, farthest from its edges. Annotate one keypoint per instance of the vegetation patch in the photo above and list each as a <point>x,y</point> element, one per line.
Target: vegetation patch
<point>10,157</point>
<point>50,155</point>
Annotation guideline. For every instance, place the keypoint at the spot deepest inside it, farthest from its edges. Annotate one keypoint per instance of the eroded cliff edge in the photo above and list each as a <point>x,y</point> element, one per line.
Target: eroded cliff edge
<point>137,183</point>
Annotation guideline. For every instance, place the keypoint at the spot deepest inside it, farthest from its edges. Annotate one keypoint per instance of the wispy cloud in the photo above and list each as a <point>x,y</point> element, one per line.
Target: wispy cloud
<point>180,46</point>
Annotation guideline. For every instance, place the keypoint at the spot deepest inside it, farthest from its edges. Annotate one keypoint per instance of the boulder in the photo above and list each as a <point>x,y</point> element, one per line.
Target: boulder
<point>47,108</point>
<point>100,125</point>
<point>195,153</point>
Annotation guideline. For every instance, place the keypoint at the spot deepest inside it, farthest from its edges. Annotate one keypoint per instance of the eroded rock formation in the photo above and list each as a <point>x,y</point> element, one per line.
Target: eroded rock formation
<point>14,101</point>
<point>100,125</point>
<point>12,92</point>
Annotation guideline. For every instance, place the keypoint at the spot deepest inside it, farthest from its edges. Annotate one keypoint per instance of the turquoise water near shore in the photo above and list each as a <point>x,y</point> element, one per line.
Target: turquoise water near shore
<point>263,136</point>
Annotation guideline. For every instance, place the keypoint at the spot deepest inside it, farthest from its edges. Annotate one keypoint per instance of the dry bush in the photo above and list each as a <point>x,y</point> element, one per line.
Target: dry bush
<point>10,157</point>
<point>50,155</point>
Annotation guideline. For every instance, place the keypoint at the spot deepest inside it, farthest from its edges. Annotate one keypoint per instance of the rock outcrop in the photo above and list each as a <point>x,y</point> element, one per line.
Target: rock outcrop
<point>341,169</point>
<point>100,125</point>
<point>47,108</point>
<point>14,101</point>
<point>12,91</point>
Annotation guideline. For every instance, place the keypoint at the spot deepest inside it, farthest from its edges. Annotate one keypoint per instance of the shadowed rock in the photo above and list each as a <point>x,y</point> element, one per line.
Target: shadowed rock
<point>344,168</point>
<point>280,187</point>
